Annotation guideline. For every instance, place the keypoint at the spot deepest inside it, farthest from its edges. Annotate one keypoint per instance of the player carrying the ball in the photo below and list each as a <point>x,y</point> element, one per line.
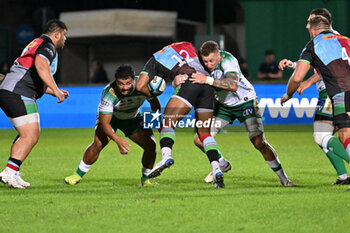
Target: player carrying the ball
<point>180,59</point>
<point>119,109</point>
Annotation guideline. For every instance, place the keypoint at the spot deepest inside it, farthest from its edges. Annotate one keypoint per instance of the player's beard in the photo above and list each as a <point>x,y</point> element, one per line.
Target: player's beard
<point>126,91</point>
<point>61,43</point>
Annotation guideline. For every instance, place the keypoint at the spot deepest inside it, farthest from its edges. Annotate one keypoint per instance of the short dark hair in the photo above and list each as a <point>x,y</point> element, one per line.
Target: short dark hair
<point>54,25</point>
<point>323,12</point>
<point>269,52</point>
<point>319,22</point>
<point>209,47</point>
<point>124,72</point>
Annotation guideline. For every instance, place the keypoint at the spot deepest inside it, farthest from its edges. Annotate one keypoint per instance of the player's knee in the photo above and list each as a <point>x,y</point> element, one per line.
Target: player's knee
<point>319,136</point>
<point>254,127</point>
<point>34,140</point>
<point>322,130</point>
<point>259,142</point>
<point>31,138</point>
<point>97,146</point>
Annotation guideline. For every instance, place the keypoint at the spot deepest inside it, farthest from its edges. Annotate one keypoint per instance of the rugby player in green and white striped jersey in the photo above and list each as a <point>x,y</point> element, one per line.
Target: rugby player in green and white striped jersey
<point>119,109</point>
<point>236,99</point>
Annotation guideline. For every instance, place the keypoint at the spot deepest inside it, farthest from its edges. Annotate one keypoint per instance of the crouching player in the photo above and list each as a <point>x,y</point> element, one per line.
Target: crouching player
<point>119,109</point>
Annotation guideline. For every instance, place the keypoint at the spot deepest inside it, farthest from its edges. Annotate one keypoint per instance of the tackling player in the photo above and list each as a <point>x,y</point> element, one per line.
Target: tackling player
<point>327,53</point>
<point>235,103</point>
<point>30,77</point>
<point>119,109</point>
<point>181,59</point>
<point>323,121</point>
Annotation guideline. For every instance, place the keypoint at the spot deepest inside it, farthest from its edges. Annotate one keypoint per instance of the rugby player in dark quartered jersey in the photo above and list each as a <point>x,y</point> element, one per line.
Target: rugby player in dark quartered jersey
<point>181,58</point>
<point>23,78</point>
<point>328,53</point>
<point>177,58</point>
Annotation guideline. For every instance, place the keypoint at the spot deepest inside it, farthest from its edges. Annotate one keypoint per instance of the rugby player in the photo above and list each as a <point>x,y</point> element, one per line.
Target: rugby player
<point>236,99</point>
<point>323,121</point>
<point>327,52</point>
<point>30,76</point>
<point>119,109</point>
<point>181,59</point>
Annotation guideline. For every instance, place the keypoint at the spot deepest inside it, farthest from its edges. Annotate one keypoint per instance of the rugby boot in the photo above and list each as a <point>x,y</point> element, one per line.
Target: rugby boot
<point>218,179</point>
<point>227,167</point>
<point>163,164</point>
<point>73,179</point>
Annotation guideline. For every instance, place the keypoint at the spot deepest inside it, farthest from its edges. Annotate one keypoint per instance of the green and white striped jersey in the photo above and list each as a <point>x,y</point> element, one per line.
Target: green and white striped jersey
<point>122,107</point>
<point>245,91</point>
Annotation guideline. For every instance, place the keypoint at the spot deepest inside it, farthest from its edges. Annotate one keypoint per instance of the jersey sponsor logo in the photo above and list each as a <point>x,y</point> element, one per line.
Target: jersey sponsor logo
<point>334,36</point>
<point>319,105</point>
<point>112,92</point>
<point>32,44</point>
<point>248,111</point>
<point>49,51</point>
<point>166,47</point>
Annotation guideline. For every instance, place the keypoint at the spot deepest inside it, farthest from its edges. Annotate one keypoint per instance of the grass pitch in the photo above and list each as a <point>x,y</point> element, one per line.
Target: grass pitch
<point>111,199</point>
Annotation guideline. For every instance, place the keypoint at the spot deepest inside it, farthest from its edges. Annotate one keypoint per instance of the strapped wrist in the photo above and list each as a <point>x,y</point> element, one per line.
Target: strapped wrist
<point>209,80</point>
<point>286,96</point>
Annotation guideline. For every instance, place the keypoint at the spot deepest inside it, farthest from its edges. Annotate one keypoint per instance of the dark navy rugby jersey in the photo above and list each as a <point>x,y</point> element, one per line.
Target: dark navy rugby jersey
<point>23,78</point>
<point>328,54</point>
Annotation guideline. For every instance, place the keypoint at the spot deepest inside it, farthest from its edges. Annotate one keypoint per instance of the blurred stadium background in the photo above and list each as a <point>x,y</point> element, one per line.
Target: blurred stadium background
<point>124,31</point>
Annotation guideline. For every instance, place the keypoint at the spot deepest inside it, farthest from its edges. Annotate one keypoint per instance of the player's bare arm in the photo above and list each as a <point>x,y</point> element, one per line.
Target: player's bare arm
<point>123,144</point>
<point>297,77</point>
<point>307,83</point>
<point>142,84</point>
<point>50,91</point>
<point>43,68</point>
<point>229,83</point>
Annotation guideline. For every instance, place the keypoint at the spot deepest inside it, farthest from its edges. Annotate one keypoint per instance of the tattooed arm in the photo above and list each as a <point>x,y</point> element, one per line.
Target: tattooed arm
<point>229,83</point>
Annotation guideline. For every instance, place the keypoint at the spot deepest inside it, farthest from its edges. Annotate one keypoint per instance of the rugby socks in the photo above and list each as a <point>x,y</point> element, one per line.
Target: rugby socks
<point>83,168</point>
<point>337,163</point>
<point>145,170</point>
<point>167,140</point>
<point>13,165</point>
<point>276,166</point>
<point>333,144</point>
<point>211,150</point>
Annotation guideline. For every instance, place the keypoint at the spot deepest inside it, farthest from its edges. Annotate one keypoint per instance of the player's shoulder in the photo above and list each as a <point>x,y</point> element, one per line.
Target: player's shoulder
<point>47,42</point>
<point>227,56</point>
<point>110,90</point>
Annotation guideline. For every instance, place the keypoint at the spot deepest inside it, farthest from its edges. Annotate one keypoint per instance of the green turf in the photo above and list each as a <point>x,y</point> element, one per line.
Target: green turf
<point>110,198</point>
